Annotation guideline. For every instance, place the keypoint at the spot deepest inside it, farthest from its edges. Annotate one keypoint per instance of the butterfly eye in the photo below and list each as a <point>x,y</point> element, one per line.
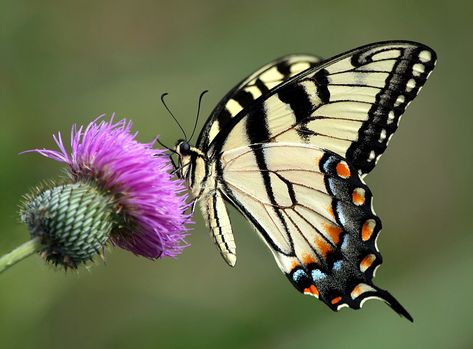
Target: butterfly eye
<point>184,148</point>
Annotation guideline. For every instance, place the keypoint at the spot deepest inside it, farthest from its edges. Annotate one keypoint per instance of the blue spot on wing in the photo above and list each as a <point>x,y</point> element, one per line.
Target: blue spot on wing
<point>318,275</point>
<point>299,274</point>
<point>345,242</point>
<point>337,265</point>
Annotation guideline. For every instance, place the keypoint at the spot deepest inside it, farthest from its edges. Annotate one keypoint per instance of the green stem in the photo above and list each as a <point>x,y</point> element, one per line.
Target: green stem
<point>19,253</point>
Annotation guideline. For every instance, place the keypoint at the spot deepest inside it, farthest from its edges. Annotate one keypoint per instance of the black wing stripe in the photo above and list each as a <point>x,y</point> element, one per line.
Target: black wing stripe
<point>284,68</point>
<point>257,126</point>
<point>261,86</point>
<point>243,98</point>
<point>297,98</point>
<point>223,118</point>
<point>258,152</point>
<point>321,80</point>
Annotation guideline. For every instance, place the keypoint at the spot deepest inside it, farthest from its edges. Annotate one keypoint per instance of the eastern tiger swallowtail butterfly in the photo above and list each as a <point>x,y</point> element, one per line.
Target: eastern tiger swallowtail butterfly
<point>289,147</point>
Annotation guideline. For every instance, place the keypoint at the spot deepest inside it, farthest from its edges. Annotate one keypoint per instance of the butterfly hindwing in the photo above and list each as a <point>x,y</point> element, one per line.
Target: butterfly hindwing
<point>316,216</point>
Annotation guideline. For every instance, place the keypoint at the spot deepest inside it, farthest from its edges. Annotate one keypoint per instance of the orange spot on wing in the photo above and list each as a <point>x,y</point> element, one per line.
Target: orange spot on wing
<point>367,229</point>
<point>336,300</point>
<point>358,196</point>
<point>366,262</point>
<point>312,290</point>
<point>343,170</point>
<point>322,246</point>
<point>333,231</point>
<point>308,259</point>
<point>360,289</point>
<point>330,212</point>
<point>294,265</point>
<point>357,290</point>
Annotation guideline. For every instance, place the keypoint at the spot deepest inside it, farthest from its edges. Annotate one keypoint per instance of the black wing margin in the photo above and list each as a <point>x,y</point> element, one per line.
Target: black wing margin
<point>409,74</point>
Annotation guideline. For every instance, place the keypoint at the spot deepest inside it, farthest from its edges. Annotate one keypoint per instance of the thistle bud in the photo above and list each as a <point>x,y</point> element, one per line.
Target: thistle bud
<point>73,222</point>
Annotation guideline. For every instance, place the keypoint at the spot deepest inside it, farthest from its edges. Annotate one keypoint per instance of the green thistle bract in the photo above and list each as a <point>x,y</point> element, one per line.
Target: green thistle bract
<point>73,222</point>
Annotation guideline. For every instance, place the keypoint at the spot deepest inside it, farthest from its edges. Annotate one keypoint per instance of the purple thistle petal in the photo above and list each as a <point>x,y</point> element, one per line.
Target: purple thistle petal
<point>139,178</point>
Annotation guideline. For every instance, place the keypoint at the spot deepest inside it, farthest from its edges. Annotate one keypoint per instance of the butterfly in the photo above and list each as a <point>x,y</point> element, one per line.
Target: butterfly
<point>289,147</point>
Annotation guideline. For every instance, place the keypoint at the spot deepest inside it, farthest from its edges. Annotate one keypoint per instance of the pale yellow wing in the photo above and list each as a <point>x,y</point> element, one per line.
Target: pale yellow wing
<point>315,214</point>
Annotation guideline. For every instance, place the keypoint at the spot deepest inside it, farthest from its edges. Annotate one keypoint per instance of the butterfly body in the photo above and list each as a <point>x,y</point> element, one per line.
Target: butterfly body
<point>289,147</point>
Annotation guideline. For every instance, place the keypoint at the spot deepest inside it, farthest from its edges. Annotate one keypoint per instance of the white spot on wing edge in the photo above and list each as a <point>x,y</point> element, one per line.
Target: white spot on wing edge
<point>410,85</point>
<point>399,101</point>
<point>371,156</point>
<point>376,243</point>
<point>368,298</point>
<point>382,136</point>
<point>376,269</point>
<point>418,69</point>
<point>425,56</point>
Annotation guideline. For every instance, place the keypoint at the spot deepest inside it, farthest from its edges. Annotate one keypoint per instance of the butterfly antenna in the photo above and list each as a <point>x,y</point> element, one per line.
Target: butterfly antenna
<point>165,146</point>
<point>170,113</point>
<point>198,113</point>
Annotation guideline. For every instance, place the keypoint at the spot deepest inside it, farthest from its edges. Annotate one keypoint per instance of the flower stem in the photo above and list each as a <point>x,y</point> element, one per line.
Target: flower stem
<point>19,253</point>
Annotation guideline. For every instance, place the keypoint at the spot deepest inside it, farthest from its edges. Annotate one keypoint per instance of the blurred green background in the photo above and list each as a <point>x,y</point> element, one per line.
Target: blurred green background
<point>67,62</point>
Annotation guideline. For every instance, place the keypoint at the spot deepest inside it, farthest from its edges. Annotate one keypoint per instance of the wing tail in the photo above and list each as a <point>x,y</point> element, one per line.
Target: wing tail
<point>310,281</point>
<point>392,302</point>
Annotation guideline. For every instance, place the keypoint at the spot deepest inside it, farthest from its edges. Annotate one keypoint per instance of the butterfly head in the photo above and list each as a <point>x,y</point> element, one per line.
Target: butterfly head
<point>183,148</point>
<point>190,160</point>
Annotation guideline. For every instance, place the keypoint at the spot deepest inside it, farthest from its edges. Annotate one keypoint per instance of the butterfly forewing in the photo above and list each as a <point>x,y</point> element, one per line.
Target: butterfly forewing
<point>251,88</point>
<point>350,105</point>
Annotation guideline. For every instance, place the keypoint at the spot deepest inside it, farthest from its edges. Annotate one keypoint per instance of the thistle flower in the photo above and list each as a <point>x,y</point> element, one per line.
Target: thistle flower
<point>118,190</point>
